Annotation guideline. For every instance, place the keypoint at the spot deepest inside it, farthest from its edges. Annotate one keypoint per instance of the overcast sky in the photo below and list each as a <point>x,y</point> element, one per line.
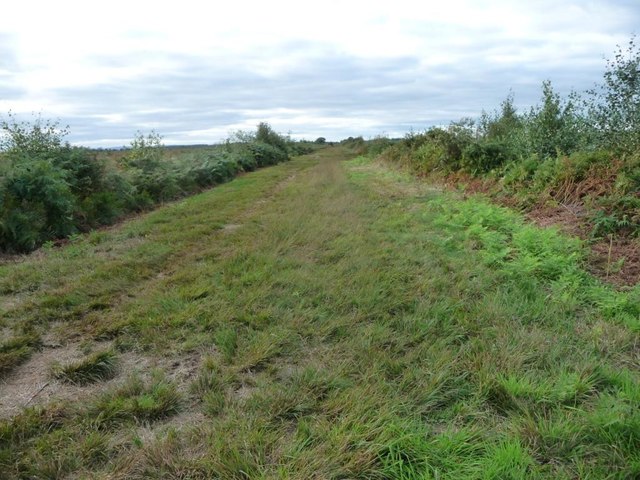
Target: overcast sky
<point>195,71</point>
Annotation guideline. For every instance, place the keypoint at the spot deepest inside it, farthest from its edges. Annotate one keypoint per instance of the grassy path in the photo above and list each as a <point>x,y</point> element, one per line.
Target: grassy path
<point>317,319</point>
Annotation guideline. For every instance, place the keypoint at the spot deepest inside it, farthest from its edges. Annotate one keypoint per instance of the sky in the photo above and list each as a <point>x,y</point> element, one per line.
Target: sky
<point>197,71</point>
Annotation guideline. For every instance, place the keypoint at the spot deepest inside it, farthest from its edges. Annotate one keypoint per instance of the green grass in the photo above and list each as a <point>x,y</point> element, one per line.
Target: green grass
<point>98,366</point>
<point>16,350</point>
<point>353,323</point>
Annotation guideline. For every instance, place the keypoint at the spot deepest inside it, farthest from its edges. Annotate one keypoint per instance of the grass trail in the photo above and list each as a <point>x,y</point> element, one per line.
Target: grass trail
<point>319,319</point>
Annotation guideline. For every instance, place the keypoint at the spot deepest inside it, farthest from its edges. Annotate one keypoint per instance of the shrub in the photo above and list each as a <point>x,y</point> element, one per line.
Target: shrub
<point>214,169</point>
<point>36,140</point>
<point>266,154</point>
<point>614,106</point>
<point>517,173</point>
<point>356,144</point>
<point>158,185</point>
<point>299,148</point>
<point>501,124</point>
<point>429,157</point>
<point>245,161</point>
<point>145,153</point>
<point>265,134</point>
<point>553,127</point>
<point>100,208</point>
<point>50,189</point>
<point>85,173</point>
<point>37,205</point>
<point>482,157</point>
<point>378,145</point>
<point>565,149</point>
<point>451,146</point>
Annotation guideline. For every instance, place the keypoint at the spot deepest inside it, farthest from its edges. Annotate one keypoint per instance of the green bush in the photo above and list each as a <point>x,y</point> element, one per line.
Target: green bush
<point>213,169</point>
<point>30,141</point>
<point>436,149</point>
<point>429,157</point>
<point>246,162</point>
<point>265,134</point>
<point>159,185</point>
<point>266,154</point>
<point>378,145</point>
<point>300,148</point>
<point>452,142</point>
<point>84,172</point>
<point>613,107</point>
<point>37,205</point>
<point>146,152</point>
<point>356,144</point>
<point>100,208</point>
<point>517,173</point>
<point>482,157</point>
<point>553,128</point>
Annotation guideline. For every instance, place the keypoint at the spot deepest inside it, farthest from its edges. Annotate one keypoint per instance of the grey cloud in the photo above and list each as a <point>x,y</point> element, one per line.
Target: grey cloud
<point>203,97</point>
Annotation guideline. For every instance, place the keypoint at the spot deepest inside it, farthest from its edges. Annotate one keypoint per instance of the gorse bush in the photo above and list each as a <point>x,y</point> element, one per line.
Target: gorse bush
<point>50,189</point>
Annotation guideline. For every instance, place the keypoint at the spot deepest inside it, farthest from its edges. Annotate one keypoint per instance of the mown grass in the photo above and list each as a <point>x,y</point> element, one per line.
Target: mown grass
<point>354,323</point>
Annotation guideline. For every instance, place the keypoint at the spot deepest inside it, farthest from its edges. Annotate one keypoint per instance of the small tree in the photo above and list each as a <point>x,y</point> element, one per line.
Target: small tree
<point>502,124</point>
<point>553,126</point>
<point>32,140</point>
<point>266,134</point>
<point>614,106</point>
<point>146,151</point>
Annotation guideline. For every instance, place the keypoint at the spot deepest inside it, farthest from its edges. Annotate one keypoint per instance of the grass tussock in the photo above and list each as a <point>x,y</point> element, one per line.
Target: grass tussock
<point>137,402</point>
<point>16,350</point>
<point>96,367</point>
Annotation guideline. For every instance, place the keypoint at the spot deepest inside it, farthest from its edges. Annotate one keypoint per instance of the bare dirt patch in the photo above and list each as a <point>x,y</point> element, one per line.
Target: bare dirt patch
<point>182,370</point>
<point>570,218</point>
<point>32,383</point>
<point>231,227</point>
<point>616,261</point>
<point>244,392</point>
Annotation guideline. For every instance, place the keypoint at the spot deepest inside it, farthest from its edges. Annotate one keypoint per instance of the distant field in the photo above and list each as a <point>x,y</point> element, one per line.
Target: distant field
<point>329,317</point>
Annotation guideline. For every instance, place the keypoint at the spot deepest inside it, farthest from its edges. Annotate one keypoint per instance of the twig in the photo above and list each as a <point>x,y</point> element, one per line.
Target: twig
<point>36,394</point>
<point>609,256</point>
<point>568,209</point>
